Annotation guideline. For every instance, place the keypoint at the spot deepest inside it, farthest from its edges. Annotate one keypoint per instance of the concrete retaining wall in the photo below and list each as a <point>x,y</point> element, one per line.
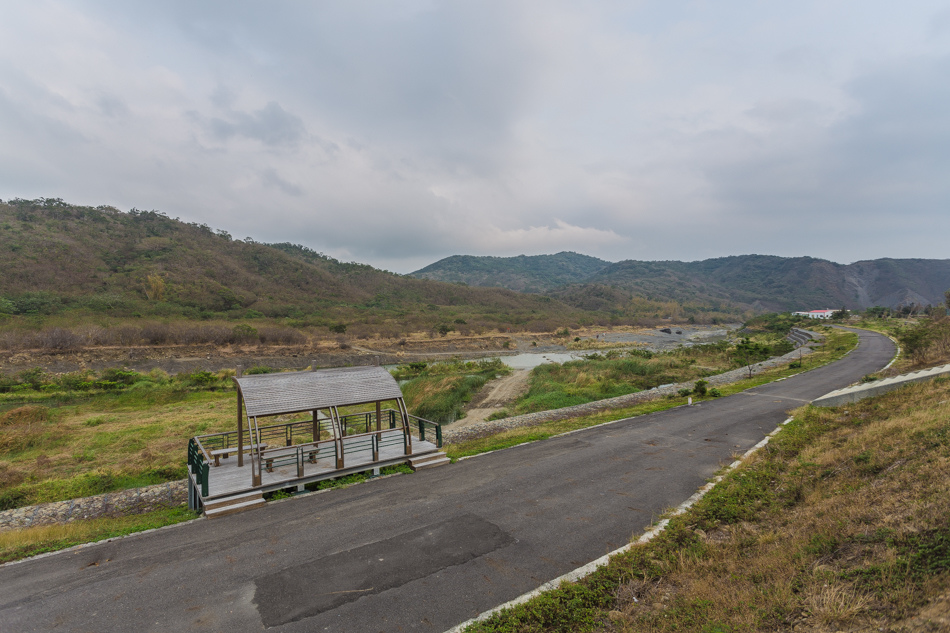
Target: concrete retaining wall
<point>866,390</point>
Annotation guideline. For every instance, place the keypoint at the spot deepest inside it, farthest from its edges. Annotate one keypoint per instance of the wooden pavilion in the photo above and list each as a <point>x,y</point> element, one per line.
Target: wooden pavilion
<point>231,471</point>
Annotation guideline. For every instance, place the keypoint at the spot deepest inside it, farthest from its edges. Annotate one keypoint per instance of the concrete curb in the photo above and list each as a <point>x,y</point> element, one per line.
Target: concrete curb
<point>855,393</point>
<point>647,536</point>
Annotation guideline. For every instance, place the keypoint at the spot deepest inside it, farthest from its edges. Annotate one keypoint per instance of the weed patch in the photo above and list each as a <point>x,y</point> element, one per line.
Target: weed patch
<point>17,544</point>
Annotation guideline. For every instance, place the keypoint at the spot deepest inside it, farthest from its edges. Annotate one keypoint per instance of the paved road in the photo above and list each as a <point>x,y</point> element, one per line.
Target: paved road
<point>412,553</point>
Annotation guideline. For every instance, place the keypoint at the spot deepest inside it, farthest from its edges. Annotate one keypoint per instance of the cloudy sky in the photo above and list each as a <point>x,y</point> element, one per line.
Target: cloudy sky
<point>397,133</point>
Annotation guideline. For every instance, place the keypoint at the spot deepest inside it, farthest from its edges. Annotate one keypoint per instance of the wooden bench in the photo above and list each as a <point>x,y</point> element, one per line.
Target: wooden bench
<point>309,450</point>
<point>225,452</point>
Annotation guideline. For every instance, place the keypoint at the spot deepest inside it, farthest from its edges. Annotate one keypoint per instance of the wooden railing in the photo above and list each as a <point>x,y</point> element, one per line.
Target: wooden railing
<point>294,443</point>
<point>434,429</point>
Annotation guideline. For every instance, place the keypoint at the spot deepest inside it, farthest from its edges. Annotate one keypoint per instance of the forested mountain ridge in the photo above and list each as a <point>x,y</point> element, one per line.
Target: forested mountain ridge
<point>524,273</point>
<point>756,282</point>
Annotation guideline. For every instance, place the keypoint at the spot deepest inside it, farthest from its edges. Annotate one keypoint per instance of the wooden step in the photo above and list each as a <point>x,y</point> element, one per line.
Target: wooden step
<point>223,506</point>
<point>429,461</point>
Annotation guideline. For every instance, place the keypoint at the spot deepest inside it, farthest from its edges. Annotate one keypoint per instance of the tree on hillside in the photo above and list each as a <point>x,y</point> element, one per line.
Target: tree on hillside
<point>749,352</point>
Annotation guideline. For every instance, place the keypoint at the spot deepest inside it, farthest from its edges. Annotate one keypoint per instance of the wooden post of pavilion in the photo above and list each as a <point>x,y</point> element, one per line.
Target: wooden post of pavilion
<point>239,371</point>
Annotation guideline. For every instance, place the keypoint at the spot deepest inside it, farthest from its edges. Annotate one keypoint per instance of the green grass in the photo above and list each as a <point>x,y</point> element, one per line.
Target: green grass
<point>439,391</point>
<point>615,373</point>
<point>102,442</point>
<point>837,344</point>
<point>86,485</point>
<point>17,544</point>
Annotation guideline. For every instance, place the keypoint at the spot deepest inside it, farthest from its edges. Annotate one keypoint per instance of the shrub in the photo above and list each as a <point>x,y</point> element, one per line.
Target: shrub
<point>782,347</point>
<point>715,393</point>
<point>260,369</point>
<point>58,338</point>
<point>700,387</point>
<point>33,378</point>
<point>119,376</point>
<point>127,335</point>
<point>244,333</point>
<point>157,333</point>
<point>76,381</point>
<point>198,378</point>
<point>281,336</point>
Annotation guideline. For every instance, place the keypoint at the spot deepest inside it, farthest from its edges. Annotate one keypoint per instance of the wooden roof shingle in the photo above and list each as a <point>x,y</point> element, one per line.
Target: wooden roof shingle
<point>274,394</point>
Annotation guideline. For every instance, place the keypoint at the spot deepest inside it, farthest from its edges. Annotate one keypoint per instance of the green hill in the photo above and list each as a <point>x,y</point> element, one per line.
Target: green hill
<point>59,258</point>
<point>524,273</point>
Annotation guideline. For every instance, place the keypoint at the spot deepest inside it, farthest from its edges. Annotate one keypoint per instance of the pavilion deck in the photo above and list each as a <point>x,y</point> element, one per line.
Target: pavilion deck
<point>293,454</point>
<point>287,470</point>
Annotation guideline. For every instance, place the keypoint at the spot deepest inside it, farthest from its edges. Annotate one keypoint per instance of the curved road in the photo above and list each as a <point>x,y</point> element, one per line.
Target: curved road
<point>412,553</point>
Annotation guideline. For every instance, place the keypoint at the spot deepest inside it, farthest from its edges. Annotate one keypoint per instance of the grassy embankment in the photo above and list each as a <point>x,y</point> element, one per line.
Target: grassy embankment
<point>439,391</point>
<point>17,544</point>
<point>585,380</point>
<point>840,522</point>
<point>924,342</point>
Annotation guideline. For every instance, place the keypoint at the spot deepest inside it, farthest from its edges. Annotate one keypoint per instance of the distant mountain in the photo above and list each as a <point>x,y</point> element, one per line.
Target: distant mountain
<point>524,273</point>
<point>756,282</point>
<point>765,282</point>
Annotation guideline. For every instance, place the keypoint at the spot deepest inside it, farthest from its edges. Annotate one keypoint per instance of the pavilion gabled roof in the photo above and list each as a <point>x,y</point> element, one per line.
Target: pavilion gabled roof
<point>274,394</point>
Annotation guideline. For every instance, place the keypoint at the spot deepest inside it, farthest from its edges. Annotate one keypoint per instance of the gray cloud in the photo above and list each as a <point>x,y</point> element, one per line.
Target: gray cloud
<point>271,125</point>
<point>395,134</point>
<point>271,179</point>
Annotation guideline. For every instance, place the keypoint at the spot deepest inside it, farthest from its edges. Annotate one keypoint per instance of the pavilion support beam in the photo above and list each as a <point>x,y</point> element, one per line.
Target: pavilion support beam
<point>379,413</point>
<point>240,429</point>
<point>337,424</point>
<point>407,432</point>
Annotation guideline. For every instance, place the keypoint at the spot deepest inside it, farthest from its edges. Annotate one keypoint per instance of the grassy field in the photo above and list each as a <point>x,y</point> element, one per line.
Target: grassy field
<point>616,373</point>
<point>17,544</point>
<point>439,391</point>
<point>841,522</point>
<point>74,435</point>
<point>837,343</point>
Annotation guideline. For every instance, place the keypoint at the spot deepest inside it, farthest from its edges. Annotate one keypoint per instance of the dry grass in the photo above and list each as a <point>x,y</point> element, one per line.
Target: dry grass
<point>844,501</point>
<point>842,523</point>
<point>16,544</point>
<point>107,442</point>
<point>120,435</point>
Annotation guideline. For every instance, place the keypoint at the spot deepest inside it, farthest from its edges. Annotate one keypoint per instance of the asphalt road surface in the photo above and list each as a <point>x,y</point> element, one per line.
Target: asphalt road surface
<point>412,553</point>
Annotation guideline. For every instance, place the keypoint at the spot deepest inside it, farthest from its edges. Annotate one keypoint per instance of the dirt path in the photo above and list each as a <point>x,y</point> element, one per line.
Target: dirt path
<point>495,396</point>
